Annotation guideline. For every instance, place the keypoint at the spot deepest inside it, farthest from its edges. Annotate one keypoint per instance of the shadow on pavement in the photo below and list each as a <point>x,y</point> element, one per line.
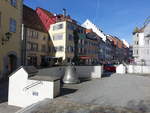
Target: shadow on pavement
<point>66,91</point>
<point>84,79</point>
<point>107,74</point>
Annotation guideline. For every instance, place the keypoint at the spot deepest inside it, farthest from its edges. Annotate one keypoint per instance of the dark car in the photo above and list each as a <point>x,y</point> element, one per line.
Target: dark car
<point>109,68</point>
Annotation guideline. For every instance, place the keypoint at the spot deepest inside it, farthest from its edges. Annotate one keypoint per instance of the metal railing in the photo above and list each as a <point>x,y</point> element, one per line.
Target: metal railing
<point>32,85</point>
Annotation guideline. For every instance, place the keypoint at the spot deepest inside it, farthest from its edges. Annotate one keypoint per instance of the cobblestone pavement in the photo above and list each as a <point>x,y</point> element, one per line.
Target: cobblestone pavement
<point>4,108</point>
<point>115,94</point>
<point>61,105</point>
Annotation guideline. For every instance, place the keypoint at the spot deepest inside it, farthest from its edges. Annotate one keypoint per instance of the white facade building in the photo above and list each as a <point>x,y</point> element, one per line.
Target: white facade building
<point>141,45</point>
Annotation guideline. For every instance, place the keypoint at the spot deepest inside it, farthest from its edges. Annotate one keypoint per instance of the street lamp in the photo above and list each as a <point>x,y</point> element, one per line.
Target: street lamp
<point>7,37</point>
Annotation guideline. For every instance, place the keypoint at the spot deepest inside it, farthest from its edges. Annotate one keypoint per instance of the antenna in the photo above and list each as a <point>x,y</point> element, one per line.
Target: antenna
<point>64,12</point>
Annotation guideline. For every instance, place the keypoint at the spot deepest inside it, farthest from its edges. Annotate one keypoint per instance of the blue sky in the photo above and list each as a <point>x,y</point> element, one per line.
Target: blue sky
<point>115,17</point>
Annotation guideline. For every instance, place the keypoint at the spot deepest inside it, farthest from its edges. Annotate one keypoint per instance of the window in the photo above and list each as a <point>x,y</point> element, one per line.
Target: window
<point>43,49</point>
<point>32,46</point>
<point>36,34</point>
<point>57,27</point>
<point>58,37</point>
<point>79,41</point>
<point>70,37</point>
<point>12,25</point>
<point>59,48</point>
<point>28,46</point>
<point>71,27</point>
<point>147,42</point>
<point>35,47</point>
<point>70,49</point>
<point>32,34</point>
<point>136,42</point>
<point>80,30</point>
<point>13,3</point>
<point>44,38</point>
<point>136,52</point>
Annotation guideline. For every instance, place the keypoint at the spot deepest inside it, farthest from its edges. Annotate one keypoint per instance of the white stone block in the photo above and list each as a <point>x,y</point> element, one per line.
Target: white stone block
<point>121,69</point>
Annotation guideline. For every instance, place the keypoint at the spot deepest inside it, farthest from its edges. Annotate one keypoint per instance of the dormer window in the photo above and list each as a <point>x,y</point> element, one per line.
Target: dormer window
<point>13,3</point>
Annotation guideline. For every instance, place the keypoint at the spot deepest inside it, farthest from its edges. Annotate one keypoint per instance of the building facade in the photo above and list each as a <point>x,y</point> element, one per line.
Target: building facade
<point>141,45</point>
<point>10,36</point>
<point>89,25</point>
<point>62,36</point>
<point>91,48</point>
<point>36,41</point>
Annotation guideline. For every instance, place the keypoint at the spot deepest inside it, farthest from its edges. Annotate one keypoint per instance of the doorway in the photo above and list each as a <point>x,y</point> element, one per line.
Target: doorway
<point>12,63</point>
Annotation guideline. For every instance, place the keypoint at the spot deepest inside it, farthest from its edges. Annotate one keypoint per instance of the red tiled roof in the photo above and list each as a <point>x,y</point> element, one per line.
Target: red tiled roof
<point>116,41</point>
<point>60,17</point>
<point>31,19</point>
<point>49,14</point>
<point>120,43</point>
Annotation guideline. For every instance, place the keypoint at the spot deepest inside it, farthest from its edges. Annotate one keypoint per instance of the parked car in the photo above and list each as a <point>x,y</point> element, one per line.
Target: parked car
<point>109,68</point>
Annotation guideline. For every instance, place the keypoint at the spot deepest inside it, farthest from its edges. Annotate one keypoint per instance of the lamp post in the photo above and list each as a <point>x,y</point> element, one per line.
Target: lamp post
<point>7,37</point>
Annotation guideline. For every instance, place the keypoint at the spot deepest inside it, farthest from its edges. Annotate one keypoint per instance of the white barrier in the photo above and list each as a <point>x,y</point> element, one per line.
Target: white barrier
<point>138,69</point>
<point>82,71</point>
<point>121,69</point>
<point>89,71</point>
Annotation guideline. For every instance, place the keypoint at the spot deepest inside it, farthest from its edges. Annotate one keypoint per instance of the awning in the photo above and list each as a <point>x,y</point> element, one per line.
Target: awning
<point>85,57</point>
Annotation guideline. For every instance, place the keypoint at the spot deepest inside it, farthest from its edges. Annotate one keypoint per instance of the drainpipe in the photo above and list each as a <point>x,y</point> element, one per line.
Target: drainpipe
<point>23,46</point>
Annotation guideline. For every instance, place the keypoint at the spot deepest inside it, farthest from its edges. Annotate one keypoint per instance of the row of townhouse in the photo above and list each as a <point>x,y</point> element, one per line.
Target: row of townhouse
<point>110,48</point>
<point>41,38</point>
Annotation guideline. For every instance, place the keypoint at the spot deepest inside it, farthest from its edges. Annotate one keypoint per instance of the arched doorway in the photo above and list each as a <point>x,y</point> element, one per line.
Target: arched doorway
<point>12,63</point>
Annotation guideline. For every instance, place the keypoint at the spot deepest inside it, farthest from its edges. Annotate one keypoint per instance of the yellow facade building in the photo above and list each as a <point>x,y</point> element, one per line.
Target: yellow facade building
<point>10,35</point>
<point>62,36</point>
